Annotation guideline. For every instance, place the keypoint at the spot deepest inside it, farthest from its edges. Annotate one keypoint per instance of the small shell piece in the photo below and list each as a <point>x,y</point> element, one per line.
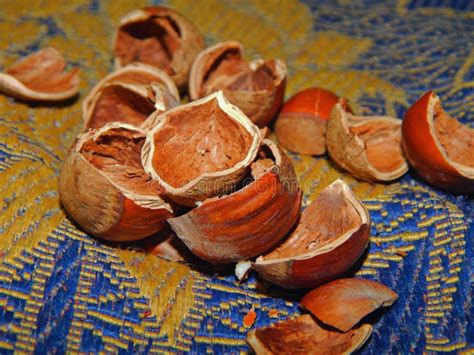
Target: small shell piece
<point>329,238</point>
<point>201,149</point>
<point>439,147</point>
<point>343,303</point>
<point>129,95</point>
<point>367,147</point>
<point>249,221</point>
<point>41,76</point>
<point>104,189</point>
<point>303,335</point>
<point>257,88</point>
<point>161,37</point>
<point>302,121</point>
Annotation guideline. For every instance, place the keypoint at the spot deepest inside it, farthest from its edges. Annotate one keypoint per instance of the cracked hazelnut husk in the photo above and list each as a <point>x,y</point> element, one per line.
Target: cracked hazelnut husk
<point>330,237</point>
<point>368,147</point>
<point>104,188</point>
<point>161,37</point>
<point>302,121</point>
<point>201,149</point>
<point>439,147</point>
<point>129,94</point>
<point>41,76</point>
<point>303,335</point>
<point>257,88</point>
<point>344,302</point>
<point>126,103</point>
<point>249,221</point>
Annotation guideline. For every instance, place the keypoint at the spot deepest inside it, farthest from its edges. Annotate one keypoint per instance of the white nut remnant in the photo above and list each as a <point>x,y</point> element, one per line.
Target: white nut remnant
<point>242,269</point>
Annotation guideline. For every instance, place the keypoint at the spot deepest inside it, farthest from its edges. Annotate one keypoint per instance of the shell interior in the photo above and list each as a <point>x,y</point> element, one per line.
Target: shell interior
<point>151,40</point>
<point>229,71</point>
<point>330,218</point>
<point>456,139</point>
<point>117,102</point>
<point>116,152</point>
<point>303,335</point>
<point>196,140</point>
<point>44,71</point>
<point>382,140</point>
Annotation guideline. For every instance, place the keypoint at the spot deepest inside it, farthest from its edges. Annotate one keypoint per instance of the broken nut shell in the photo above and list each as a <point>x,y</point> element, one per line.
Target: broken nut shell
<point>329,238</point>
<point>129,94</point>
<point>161,37</point>
<point>302,121</point>
<point>303,335</point>
<point>438,146</point>
<point>343,303</point>
<point>257,88</point>
<point>367,147</point>
<point>201,149</point>
<point>104,189</point>
<point>248,221</point>
<point>41,76</point>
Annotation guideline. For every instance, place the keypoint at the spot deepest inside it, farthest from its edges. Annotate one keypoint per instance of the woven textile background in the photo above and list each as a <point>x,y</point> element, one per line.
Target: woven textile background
<point>64,291</point>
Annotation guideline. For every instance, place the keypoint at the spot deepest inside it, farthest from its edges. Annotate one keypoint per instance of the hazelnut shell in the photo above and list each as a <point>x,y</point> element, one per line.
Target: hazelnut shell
<point>301,123</point>
<point>41,76</point>
<point>225,64</point>
<point>127,103</point>
<point>438,146</point>
<point>200,149</point>
<point>343,303</point>
<point>329,238</point>
<point>247,222</point>
<point>108,208</point>
<point>367,147</point>
<point>161,37</point>
<point>151,83</point>
<point>303,335</point>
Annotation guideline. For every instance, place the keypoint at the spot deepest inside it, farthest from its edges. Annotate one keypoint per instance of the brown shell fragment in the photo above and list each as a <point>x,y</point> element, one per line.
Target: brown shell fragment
<point>161,37</point>
<point>104,189</point>
<point>343,303</point>
<point>438,146</point>
<point>367,147</point>
<point>118,102</point>
<point>41,76</point>
<point>303,335</point>
<point>257,88</point>
<point>329,238</point>
<point>301,123</point>
<point>201,149</point>
<point>248,221</point>
<point>129,95</point>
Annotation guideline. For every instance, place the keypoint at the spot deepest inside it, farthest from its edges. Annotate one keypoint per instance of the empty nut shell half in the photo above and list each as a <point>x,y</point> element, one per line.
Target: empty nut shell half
<point>302,121</point>
<point>257,88</point>
<point>343,303</point>
<point>249,221</point>
<point>303,335</point>
<point>330,237</point>
<point>201,149</point>
<point>104,188</point>
<point>150,84</point>
<point>368,147</point>
<point>126,103</point>
<point>41,76</point>
<point>161,37</point>
<point>439,147</point>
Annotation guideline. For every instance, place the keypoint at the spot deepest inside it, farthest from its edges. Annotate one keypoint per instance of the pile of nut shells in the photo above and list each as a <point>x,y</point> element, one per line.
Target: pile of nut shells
<point>146,162</point>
